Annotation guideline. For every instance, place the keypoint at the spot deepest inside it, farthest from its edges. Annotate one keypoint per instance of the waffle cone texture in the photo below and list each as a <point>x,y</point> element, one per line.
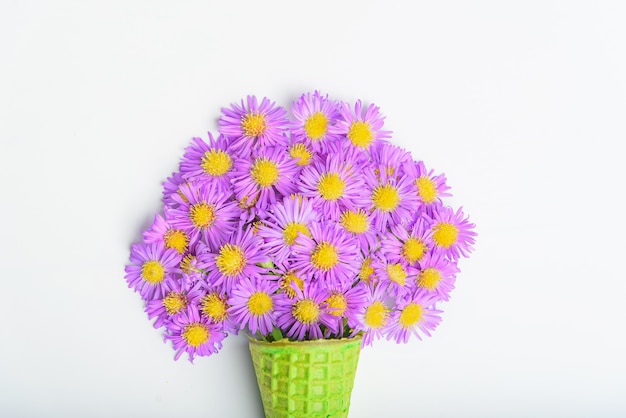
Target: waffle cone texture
<point>306,378</point>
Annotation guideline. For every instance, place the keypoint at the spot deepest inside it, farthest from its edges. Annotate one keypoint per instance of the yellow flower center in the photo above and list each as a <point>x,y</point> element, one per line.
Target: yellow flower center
<point>291,231</point>
<point>174,302</point>
<point>214,307</point>
<point>231,260</point>
<point>324,256</point>
<point>253,125</point>
<point>376,315</point>
<point>331,186</point>
<point>177,239</point>
<point>287,280</point>
<point>316,126</point>
<point>264,172</point>
<point>187,264</point>
<point>386,198</point>
<point>337,304</point>
<point>195,334</point>
<point>355,221</point>
<point>300,153</point>
<point>216,162</point>
<point>410,315</point>
<point>202,215</point>
<point>429,278</point>
<point>153,272</point>
<point>360,134</point>
<point>366,273</point>
<point>306,311</point>
<point>427,189</point>
<point>413,250</point>
<point>397,273</point>
<point>260,303</point>
<point>445,234</point>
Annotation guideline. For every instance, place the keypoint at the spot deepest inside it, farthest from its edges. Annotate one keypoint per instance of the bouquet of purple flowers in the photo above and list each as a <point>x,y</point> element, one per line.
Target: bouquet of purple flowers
<point>305,224</point>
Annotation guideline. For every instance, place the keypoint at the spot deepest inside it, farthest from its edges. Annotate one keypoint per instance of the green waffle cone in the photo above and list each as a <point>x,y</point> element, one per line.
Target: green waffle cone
<point>306,378</point>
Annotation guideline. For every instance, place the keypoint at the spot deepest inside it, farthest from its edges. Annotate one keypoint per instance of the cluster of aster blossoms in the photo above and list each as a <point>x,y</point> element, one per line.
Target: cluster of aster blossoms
<point>304,225</point>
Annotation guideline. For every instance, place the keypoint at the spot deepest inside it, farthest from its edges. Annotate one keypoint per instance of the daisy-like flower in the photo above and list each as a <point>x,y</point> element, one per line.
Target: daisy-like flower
<point>396,277</point>
<point>362,129</point>
<point>303,316</point>
<point>374,317</point>
<point>301,154</point>
<point>252,305</point>
<point>344,303</point>
<point>205,212</point>
<point>285,221</point>
<point>150,265</point>
<point>251,123</point>
<point>235,259</point>
<point>176,297</point>
<point>413,315</point>
<point>437,275</point>
<point>213,304</point>
<point>391,200</point>
<point>452,233</point>
<point>264,178</point>
<point>367,273</point>
<point>210,162</point>
<point>330,254</point>
<point>389,159</point>
<point>430,188</point>
<point>171,188</point>
<point>358,223</point>
<point>408,245</point>
<point>315,116</point>
<point>162,230</point>
<point>287,279</point>
<point>194,334</point>
<point>334,182</point>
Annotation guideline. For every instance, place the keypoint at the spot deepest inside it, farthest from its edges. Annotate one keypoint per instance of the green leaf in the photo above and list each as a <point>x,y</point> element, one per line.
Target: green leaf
<point>276,334</point>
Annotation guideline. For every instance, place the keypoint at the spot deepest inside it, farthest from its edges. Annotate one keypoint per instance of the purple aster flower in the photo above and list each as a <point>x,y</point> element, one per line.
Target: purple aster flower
<point>213,304</point>
<point>301,154</point>
<point>194,334</point>
<point>235,259</point>
<point>303,316</point>
<point>361,129</point>
<point>252,305</point>
<point>264,178</point>
<point>344,303</point>
<point>205,212</point>
<point>315,116</point>
<point>391,200</point>
<point>437,275</point>
<point>452,233</point>
<point>263,124</point>
<point>287,279</point>
<point>358,223</point>
<point>210,162</point>
<point>367,273</point>
<point>389,159</point>
<point>374,317</point>
<point>162,230</point>
<point>171,188</point>
<point>396,277</point>
<point>285,221</point>
<point>176,297</point>
<point>413,315</point>
<point>408,245</point>
<point>329,255</point>
<point>430,188</point>
<point>150,265</point>
<point>333,182</point>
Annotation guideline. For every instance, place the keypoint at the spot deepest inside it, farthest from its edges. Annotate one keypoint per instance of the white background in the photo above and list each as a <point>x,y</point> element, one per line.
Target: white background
<point>521,104</point>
